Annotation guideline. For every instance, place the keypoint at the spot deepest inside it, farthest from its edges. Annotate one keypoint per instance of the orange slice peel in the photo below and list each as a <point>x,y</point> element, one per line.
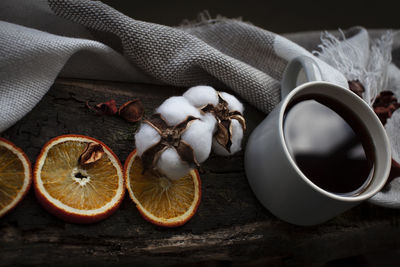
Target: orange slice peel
<point>73,192</point>
<point>161,201</point>
<point>15,176</point>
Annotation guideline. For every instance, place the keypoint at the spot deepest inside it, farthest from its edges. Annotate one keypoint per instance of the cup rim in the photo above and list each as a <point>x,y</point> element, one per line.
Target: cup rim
<point>362,196</point>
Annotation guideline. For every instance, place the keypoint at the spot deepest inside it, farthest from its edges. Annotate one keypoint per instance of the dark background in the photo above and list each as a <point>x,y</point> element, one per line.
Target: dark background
<point>277,16</point>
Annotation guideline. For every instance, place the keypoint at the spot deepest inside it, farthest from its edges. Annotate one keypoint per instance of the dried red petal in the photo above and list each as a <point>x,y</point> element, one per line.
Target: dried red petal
<point>132,111</point>
<point>382,113</point>
<point>384,106</point>
<point>92,153</point>
<point>106,108</point>
<point>357,87</point>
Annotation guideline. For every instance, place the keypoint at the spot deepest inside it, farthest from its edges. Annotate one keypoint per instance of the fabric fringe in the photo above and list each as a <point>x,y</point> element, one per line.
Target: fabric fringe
<point>373,75</point>
<point>204,18</point>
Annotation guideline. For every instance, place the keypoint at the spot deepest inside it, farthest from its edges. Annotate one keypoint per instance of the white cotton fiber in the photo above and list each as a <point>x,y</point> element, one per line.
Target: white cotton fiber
<point>171,165</point>
<point>237,136</point>
<point>210,120</point>
<point>176,109</point>
<point>201,95</point>
<point>146,137</point>
<point>199,136</point>
<point>233,103</point>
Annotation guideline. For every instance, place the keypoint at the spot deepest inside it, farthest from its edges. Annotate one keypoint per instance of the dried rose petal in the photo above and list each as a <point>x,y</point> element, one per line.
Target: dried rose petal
<point>384,99</point>
<point>131,111</point>
<point>384,106</point>
<point>106,108</point>
<point>357,87</point>
<point>382,113</point>
<point>92,153</point>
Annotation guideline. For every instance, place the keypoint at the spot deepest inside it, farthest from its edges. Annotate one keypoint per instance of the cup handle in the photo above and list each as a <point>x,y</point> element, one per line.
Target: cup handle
<point>292,71</point>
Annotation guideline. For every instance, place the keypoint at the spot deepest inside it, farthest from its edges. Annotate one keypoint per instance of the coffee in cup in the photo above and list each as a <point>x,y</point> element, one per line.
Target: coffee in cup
<point>322,150</point>
<point>329,144</point>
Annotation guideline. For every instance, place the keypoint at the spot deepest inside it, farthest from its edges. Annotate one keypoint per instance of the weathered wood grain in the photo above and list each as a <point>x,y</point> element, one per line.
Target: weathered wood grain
<point>229,225</point>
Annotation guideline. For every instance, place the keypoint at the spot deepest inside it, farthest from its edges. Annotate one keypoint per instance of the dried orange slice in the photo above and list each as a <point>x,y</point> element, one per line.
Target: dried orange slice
<point>74,192</point>
<point>15,175</point>
<point>162,201</point>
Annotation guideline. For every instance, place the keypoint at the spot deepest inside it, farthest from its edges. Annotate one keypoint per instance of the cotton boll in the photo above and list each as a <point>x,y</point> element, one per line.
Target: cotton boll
<point>237,136</point>
<point>211,121</point>
<point>233,102</point>
<point>146,137</point>
<point>176,109</point>
<point>199,136</point>
<point>237,130</point>
<point>201,95</point>
<point>171,165</point>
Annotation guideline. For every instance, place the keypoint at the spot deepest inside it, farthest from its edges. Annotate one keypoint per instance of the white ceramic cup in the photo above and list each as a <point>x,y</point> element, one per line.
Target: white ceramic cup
<point>274,177</point>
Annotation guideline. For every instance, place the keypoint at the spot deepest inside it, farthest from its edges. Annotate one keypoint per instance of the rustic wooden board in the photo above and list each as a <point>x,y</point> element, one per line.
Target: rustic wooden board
<point>229,225</point>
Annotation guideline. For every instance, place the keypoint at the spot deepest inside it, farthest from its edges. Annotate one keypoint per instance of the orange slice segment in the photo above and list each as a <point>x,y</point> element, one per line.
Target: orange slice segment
<point>162,201</point>
<point>15,175</point>
<point>74,192</point>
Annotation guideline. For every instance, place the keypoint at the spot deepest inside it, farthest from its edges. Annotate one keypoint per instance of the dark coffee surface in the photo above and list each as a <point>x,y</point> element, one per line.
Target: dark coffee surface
<point>332,154</point>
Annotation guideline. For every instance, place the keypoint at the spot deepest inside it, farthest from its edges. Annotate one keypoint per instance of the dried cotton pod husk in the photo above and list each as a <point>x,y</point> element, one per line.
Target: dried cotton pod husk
<point>233,103</point>
<point>227,110</point>
<point>147,136</point>
<point>183,130</point>
<point>199,134</point>
<point>203,95</point>
<point>237,136</point>
<point>236,127</point>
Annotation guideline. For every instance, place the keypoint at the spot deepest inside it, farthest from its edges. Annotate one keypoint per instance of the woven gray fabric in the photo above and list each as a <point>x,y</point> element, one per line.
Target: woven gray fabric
<point>239,55</point>
<point>179,58</point>
<point>223,53</point>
